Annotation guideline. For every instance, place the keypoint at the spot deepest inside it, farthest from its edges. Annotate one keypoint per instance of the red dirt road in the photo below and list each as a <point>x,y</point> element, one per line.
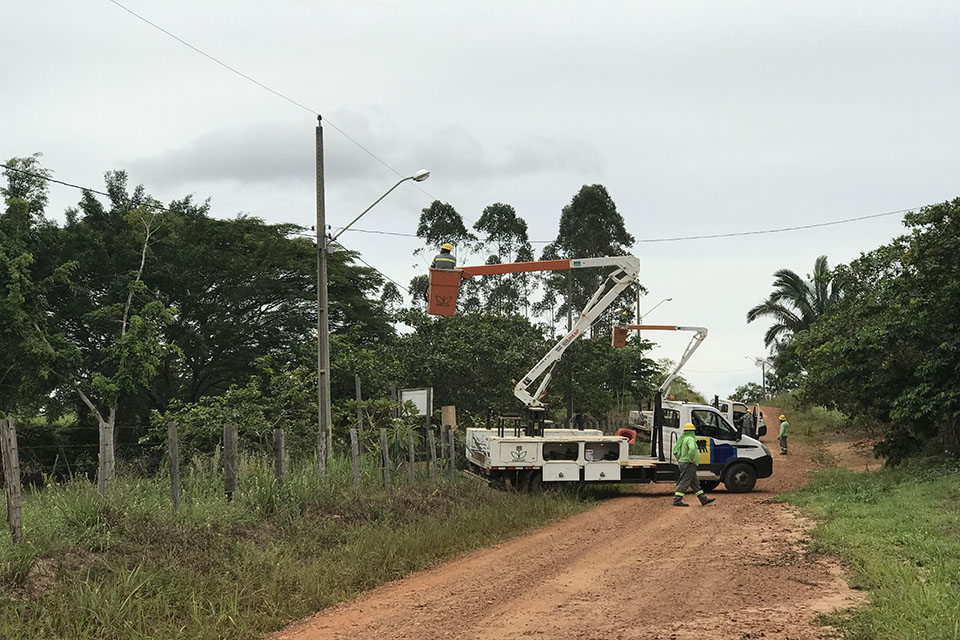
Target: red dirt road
<point>633,567</point>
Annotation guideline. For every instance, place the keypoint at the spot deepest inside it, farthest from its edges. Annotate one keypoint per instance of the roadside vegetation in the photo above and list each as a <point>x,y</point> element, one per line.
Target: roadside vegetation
<point>123,566</point>
<point>899,530</point>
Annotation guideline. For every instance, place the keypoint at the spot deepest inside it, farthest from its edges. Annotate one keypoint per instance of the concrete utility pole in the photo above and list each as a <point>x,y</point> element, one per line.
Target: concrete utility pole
<point>324,417</point>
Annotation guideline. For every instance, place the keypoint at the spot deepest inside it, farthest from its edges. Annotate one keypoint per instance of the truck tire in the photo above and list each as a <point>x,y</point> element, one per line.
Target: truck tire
<point>740,478</point>
<point>709,485</point>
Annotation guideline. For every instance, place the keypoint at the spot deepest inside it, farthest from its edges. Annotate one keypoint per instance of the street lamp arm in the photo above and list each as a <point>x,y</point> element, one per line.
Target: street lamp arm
<point>420,176</point>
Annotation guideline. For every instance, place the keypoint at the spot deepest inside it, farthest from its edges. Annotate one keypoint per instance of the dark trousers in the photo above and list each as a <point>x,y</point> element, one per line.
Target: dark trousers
<point>783,444</point>
<point>688,478</point>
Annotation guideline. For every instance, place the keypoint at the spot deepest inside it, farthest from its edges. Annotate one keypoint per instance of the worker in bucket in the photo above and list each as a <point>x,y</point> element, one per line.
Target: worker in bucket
<point>688,456</point>
<point>784,427</point>
<point>444,259</point>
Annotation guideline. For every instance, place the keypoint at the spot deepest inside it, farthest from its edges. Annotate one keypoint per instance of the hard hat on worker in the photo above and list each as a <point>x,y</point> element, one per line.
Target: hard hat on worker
<point>446,246</point>
<point>689,427</point>
<point>783,417</point>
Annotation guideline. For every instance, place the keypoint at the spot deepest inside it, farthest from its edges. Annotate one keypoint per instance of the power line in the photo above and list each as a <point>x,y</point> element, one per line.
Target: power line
<point>780,230</point>
<point>264,87</point>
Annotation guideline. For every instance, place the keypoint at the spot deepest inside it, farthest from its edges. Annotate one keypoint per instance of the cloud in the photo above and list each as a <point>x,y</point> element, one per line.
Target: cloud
<point>284,152</point>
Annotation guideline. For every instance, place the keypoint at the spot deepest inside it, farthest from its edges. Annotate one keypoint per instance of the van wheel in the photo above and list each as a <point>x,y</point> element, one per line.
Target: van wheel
<point>709,485</point>
<point>740,478</point>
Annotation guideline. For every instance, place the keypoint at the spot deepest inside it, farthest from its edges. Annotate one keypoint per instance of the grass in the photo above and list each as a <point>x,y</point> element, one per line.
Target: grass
<point>899,529</point>
<point>125,567</point>
<point>806,424</point>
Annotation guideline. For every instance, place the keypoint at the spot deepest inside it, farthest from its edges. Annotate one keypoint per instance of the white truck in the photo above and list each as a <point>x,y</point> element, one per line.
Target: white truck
<point>532,452</point>
<point>506,456</point>
<point>735,412</point>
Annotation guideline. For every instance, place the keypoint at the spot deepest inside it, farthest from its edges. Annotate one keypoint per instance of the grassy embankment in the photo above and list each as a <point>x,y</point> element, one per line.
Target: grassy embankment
<point>899,529</point>
<point>125,567</point>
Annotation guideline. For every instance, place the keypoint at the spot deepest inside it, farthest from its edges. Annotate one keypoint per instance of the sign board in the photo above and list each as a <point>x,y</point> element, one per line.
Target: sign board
<point>422,398</point>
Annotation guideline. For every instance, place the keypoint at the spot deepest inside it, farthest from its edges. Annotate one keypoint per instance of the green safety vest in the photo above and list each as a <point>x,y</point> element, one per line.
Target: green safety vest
<point>686,450</point>
<point>783,428</point>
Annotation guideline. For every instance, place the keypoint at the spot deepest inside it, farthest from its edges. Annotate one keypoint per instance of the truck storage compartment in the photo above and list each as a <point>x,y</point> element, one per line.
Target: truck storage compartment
<point>602,471</point>
<point>561,451</point>
<point>595,451</point>
<point>561,472</point>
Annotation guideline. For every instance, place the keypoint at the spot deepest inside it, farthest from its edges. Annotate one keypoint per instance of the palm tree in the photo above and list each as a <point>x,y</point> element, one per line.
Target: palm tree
<point>796,302</point>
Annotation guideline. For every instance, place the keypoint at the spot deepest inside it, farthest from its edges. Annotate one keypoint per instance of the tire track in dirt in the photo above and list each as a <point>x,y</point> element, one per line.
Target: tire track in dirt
<point>633,567</point>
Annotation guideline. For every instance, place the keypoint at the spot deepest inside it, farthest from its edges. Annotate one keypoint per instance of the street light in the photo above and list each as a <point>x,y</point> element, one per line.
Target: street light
<point>640,317</point>
<point>763,363</point>
<point>324,414</point>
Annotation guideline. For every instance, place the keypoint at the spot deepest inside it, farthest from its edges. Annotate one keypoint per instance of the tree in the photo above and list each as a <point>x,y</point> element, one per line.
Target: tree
<point>469,359</point>
<point>506,241</point>
<point>590,227</point>
<point>796,302</point>
<point>889,351</point>
<point>103,328</point>
<point>749,393</point>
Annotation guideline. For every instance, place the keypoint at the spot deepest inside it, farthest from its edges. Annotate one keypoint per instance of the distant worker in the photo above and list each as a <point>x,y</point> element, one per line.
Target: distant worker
<point>444,259</point>
<point>784,427</point>
<point>748,424</point>
<point>688,456</point>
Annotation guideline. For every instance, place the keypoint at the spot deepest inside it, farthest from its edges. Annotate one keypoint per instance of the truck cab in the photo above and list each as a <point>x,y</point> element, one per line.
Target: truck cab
<point>726,455</point>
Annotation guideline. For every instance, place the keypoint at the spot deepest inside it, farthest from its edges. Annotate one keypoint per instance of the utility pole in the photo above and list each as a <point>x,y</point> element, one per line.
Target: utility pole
<point>569,327</point>
<point>324,416</point>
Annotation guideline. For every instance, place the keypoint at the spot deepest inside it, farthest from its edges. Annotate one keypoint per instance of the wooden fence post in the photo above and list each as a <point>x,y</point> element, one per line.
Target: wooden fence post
<point>385,453</point>
<point>173,448</point>
<point>432,445</point>
<point>448,422</point>
<point>452,461</point>
<point>278,454</point>
<point>11,477</point>
<point>107,457</point>
<point>412,455</point>
<point>229,459</point>
<point>355,455</point>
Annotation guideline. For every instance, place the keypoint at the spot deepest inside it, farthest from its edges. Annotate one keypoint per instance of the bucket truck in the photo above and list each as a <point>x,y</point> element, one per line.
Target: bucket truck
<point>529,453</point>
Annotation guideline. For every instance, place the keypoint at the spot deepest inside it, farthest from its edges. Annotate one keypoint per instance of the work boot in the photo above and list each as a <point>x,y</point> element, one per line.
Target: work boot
<point>705,499</point>
<point>678,502</point>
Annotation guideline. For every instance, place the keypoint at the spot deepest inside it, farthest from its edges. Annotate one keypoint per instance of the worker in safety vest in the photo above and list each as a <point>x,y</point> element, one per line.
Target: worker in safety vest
<point>748,424</point>
<point>688,456</point>
<point>784,427</point>
<point>444,259</point>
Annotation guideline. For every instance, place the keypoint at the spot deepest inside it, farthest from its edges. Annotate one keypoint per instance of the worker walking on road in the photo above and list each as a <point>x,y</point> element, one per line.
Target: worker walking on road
<point>444,260</point>
<point>784,427</point>
<point>688,456</point>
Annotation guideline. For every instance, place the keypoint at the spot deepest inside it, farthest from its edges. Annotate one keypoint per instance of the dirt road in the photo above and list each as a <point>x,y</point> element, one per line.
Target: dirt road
<point>633,567</point>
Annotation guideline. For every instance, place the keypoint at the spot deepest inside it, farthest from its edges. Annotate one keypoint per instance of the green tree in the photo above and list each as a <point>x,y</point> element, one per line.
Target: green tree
<point>889,352</point>
<point>469,359</point>
<point>506,241</point>
<point>749,393</point>
<point>590,227</point>
<point>796,302</point>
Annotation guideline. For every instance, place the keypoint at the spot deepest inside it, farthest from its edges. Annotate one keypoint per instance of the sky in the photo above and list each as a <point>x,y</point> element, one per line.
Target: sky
<point>699,117</point>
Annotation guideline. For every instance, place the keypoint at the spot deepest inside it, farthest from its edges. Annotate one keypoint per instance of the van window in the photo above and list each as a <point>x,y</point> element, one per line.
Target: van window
<point>712,425</point>
<point>671,418</point>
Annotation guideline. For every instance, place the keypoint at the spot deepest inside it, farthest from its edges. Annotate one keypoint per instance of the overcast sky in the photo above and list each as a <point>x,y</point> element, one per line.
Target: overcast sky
<point>699,118</point>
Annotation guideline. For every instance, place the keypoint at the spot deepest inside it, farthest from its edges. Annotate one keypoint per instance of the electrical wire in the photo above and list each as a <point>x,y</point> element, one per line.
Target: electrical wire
<point>265,88</point>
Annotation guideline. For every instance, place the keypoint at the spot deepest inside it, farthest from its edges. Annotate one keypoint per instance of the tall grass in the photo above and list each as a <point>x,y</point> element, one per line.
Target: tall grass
<point>125,566</point>
<point>900,530</point>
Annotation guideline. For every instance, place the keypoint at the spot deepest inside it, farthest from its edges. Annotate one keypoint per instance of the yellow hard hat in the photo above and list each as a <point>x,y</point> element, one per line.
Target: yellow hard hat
<point>447,246</point>
<point>783,417</point>
<point>689,427</point>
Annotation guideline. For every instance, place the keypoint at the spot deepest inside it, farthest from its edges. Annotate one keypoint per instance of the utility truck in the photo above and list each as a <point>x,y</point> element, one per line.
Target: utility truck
<point>735,412</point>
<point>527,450</point>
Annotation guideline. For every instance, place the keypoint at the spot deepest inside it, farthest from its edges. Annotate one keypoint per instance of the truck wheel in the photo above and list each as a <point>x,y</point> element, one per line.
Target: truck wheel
<point>740,478</point>
<point>709,485</point>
